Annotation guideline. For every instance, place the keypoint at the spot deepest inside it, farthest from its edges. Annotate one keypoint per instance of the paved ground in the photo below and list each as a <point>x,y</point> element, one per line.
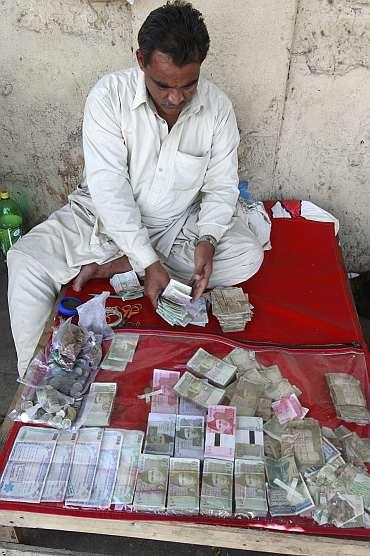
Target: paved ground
<point>78,541</point>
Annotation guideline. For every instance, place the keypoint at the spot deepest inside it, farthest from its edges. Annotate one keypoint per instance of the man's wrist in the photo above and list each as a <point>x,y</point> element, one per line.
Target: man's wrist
<point>212,240</point>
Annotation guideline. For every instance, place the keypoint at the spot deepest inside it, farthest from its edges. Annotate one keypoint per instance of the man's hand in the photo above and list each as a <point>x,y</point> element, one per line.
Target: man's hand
<point>156,280</point>
<point>203,262</point>
<point>94,270</point>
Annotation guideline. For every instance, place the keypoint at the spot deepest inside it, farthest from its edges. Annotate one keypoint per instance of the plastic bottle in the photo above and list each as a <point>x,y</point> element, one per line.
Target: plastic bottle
<point>245,194</point>
<point>10,222</point>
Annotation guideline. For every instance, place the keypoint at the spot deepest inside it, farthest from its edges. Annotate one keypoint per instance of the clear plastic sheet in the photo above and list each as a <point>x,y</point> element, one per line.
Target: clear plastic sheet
<point>303,368</point>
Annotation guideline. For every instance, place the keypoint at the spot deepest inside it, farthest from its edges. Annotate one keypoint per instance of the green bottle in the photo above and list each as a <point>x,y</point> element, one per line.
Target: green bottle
<point>10,222</point>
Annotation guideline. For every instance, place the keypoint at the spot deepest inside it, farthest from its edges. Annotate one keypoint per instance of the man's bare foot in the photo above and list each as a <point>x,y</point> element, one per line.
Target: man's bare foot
<point>93,270</point>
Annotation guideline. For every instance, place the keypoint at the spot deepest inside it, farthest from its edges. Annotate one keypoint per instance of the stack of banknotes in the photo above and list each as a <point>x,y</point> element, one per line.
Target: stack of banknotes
<point>216,370</point>
<point>175,306</point>
<point>232,308</point>
<point>127,285</point>
<point>348,398</point>
<point>259,455</point>
<point>121,352</point>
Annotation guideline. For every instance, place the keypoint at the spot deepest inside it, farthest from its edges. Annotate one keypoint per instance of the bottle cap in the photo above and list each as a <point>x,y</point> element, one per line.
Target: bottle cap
<point>4,195</point>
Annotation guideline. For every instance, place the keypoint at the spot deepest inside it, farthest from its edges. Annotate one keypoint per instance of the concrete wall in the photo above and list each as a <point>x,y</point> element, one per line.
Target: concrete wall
<point>296,70</point>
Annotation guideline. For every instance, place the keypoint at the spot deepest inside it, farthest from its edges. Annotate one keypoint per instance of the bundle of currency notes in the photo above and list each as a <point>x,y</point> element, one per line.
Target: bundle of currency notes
<point>288,409</point>
<point>220,432</point>
<point>132,442</point>
<point>175,306</point>
<point>160,434</point>
<point>216,370</point>
<point>217,488</point>
<point>84,464</point>
<point>165,399</point>
<point>121,352</point>
<point>151,486</point>
<point>106,472</point>
<point>127,285</point>
<point>249,438</point>
<point>243,359</point>
<point>348,398</point>
<point>98,406</point>
<point>183,486</point>
<point>197,391</point>
<point>287,492</point>
<point>232,308</point>
<point>250,488</point>
<point>189,442</point>
<point>308,443</point>
<point>26,470</point>
<point>245,397</point>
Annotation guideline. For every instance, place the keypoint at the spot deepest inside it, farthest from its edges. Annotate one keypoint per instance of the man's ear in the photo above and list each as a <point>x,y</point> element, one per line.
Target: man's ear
<point>140,59</point>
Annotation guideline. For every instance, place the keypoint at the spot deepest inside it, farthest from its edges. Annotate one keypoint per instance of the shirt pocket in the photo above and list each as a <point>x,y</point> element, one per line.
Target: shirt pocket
<point>189,171</point>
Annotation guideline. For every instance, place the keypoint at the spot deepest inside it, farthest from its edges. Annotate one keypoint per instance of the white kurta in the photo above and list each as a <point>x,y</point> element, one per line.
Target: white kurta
<point>147,193</point>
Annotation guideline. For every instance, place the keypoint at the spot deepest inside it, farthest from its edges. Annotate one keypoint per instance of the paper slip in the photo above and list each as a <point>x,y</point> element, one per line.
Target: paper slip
<point>60,468</point>
<point>249,438</point>
<point>288,408</point>
<point>200,393</point>
<point>160,434</point>
<point>208,366</point>
<point>183,486</point>
<point>106,472</point>
<point>189,441</point>
<point>84,464</point>
<point>121,352</point>
<point>250,488</point>
<point>127,285</point>
<point>167,401</point>
<point>307,446</point>
<point>217,488</point>
<point>128,467</point>
<point>151,486</point>
<point>220,432</point>
<point>25,473</point>
<point>99,404</point>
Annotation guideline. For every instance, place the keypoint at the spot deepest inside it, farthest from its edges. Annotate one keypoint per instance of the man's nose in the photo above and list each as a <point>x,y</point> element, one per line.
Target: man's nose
<point>176,97</point>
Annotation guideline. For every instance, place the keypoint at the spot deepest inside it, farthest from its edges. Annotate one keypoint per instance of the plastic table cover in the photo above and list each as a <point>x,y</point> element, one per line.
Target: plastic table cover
<point>304,367</point>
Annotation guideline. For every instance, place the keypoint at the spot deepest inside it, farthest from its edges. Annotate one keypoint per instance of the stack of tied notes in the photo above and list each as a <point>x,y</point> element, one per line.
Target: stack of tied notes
<point>232,308</point>
<point>175,306</point>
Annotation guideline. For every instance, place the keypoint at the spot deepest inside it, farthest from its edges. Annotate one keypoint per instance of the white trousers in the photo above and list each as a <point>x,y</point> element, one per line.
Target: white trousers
<point>52,254</point>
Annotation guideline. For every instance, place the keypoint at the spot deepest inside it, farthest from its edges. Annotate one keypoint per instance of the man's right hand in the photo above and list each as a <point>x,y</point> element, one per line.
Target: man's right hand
<point>156,280</point>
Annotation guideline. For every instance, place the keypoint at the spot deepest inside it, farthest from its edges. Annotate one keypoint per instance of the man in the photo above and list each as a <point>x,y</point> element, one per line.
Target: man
<point>160,185</point>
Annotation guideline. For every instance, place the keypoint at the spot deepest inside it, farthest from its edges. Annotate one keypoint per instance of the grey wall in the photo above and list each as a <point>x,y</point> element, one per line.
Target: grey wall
<point>296,70</point>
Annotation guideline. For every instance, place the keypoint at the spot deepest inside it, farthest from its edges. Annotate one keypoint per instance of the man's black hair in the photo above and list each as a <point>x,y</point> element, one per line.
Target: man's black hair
<point>176,29</point>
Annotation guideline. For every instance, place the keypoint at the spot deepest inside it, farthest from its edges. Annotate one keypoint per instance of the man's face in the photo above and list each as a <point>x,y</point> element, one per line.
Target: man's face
<point>170,87</point>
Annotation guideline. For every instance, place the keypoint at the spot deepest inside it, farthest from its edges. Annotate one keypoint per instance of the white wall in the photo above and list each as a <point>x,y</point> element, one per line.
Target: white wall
<point>296,70</point>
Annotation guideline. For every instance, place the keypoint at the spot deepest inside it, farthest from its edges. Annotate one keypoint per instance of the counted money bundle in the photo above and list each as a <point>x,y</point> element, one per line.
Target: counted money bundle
<point>127,285</point>
<point>208,366</point>
<point>175,306</point>
<point>232,308</point>
<point>121,352</point>
<point>348,398</point>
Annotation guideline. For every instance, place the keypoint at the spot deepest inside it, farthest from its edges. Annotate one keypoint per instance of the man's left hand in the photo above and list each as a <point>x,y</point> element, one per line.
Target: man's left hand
<point>203,262</point>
